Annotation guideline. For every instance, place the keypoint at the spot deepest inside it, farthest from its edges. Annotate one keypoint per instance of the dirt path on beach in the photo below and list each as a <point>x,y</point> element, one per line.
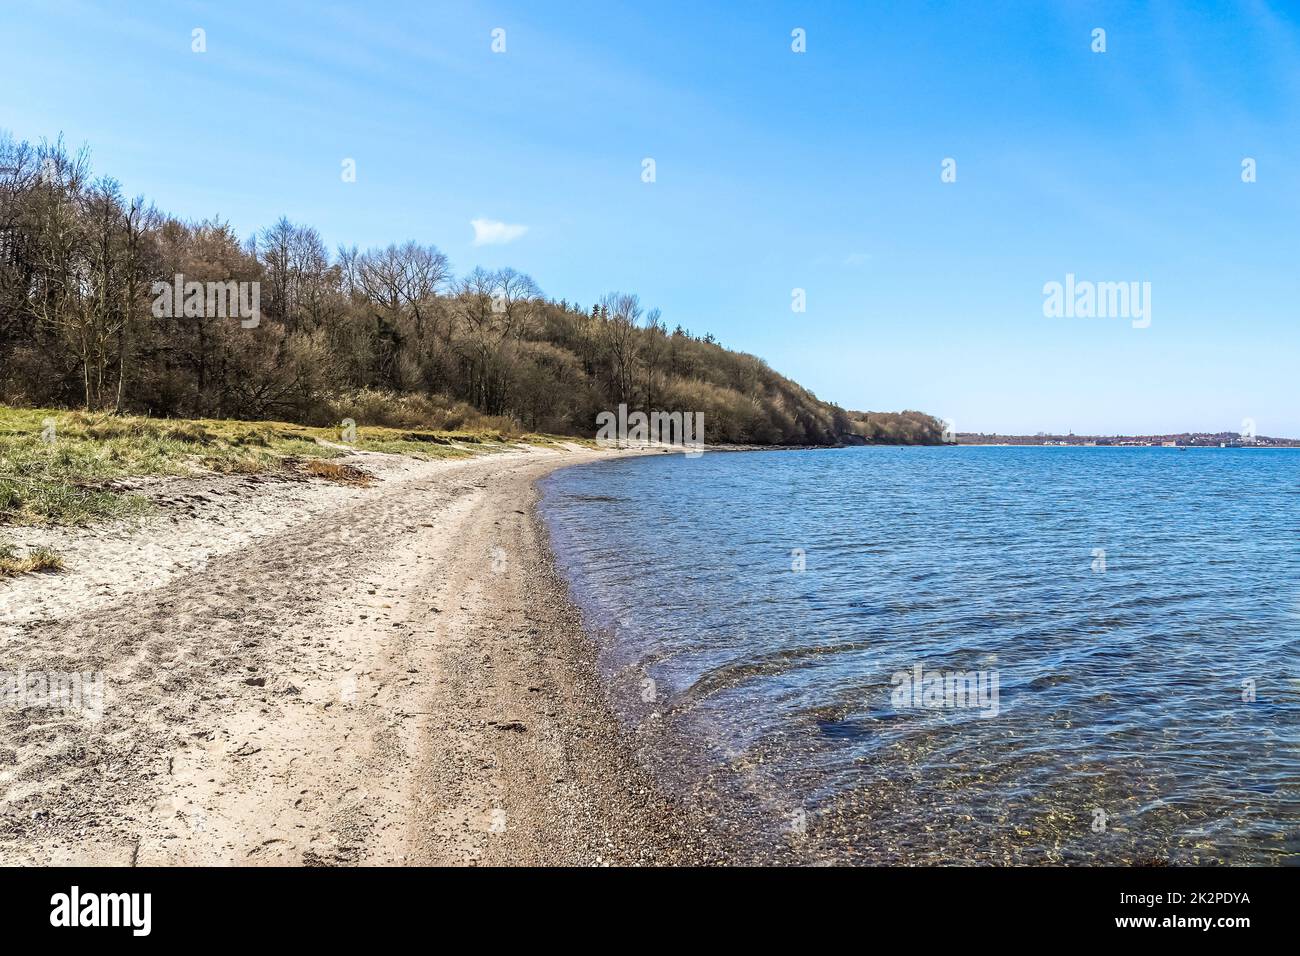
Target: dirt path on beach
<point>311,674</point>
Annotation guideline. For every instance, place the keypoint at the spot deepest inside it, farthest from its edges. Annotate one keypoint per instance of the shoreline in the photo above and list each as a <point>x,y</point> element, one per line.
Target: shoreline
<point>639,815</point>
<point>394,675</point>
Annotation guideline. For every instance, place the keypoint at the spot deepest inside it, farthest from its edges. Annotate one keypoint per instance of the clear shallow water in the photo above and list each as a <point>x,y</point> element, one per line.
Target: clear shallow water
<point>1119,731</point>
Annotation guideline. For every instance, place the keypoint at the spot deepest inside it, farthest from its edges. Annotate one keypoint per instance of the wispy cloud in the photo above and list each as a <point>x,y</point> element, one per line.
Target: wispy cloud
<point>491,232</point>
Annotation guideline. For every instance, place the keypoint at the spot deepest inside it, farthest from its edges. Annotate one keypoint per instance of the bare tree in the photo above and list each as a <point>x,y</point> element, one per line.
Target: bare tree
<point>492,308</point>
<point>622,340</point>
<point>138,225</point>
<point>655,353</point>
<point>403,281</point>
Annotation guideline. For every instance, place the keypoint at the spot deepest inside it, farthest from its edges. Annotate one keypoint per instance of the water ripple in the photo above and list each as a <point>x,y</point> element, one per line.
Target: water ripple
<point>1139,608</point>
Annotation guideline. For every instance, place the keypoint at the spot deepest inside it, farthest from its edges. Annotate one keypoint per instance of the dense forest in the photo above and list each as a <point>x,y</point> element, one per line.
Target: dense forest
<point>383,336</point>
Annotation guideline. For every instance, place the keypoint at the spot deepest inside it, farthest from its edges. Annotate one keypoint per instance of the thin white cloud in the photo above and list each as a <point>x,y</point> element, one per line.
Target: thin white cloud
<point>491,232</point>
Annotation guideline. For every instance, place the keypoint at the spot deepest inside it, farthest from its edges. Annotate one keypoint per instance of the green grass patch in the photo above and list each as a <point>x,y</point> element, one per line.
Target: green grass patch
<point>58,467</point>
<point>556,440</point>
<point>412,448</point>
<point>417,443</point>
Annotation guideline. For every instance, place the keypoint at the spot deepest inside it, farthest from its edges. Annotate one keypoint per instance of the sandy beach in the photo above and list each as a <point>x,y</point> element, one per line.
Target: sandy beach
<point>304,673</point>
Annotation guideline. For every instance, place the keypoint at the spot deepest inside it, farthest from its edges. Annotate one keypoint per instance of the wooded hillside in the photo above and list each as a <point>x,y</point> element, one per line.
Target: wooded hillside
<point>382,336</point>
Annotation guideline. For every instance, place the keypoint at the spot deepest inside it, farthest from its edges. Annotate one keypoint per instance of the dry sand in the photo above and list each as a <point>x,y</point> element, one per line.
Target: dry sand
<point>304,673</point>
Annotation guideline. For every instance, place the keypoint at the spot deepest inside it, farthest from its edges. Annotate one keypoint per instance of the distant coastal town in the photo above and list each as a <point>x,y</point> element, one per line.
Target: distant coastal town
<point>1183,440</point>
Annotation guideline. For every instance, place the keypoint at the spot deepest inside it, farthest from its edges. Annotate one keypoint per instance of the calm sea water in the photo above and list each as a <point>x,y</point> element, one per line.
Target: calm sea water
<point>1115,633</point>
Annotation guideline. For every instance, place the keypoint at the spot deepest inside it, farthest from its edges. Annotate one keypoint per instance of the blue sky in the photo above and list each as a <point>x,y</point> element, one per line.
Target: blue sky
<point>774,170</point>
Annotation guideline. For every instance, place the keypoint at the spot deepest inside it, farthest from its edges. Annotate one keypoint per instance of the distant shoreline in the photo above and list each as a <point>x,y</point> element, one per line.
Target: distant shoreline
<point>1290,446</point>
<point>1247,437</point>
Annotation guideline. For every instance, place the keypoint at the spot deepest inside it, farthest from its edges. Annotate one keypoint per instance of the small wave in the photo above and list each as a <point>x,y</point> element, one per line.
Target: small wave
<point>773,599</point>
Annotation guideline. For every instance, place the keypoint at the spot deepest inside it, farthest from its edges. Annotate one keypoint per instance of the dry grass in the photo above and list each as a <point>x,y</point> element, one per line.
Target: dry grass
<point>36,559</point>
<point>333,471</point>
<point>59,467</point>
